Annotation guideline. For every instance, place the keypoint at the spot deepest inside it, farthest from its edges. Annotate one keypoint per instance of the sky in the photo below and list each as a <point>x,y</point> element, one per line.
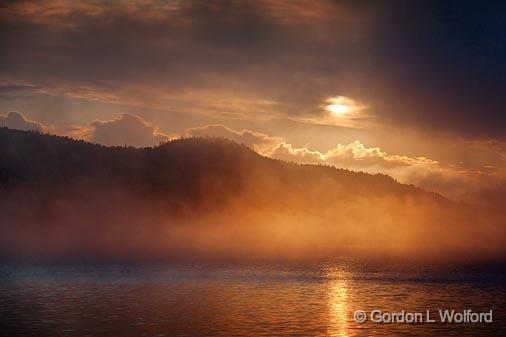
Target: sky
<point>413,89</point>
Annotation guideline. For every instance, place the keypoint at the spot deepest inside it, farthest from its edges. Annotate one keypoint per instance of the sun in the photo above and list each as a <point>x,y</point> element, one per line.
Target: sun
<point>338,108</point>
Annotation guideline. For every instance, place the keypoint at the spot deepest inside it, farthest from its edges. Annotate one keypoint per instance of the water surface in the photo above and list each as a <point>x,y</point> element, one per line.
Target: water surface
<point>234,300</point>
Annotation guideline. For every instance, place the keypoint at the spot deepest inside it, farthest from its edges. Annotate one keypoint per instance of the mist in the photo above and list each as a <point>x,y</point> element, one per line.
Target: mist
<point>207,199</point>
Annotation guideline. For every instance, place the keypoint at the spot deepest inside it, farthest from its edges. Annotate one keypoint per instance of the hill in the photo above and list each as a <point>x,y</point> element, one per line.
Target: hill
<point>213,198</point>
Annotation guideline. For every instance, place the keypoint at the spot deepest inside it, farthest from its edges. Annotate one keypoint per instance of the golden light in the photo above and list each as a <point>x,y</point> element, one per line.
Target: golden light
<point>338,109</point>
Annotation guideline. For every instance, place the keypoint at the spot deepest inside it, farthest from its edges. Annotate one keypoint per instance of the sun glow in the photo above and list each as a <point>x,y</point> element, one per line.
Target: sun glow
<point>340,105</point>
<point>338,109</point>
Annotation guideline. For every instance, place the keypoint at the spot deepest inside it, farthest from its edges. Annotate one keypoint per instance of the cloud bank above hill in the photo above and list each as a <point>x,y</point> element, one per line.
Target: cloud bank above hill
<point>133,130</point>
<point>126,129</point>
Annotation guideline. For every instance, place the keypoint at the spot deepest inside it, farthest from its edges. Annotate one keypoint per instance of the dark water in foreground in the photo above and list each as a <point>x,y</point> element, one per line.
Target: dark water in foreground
<point>255,300</point>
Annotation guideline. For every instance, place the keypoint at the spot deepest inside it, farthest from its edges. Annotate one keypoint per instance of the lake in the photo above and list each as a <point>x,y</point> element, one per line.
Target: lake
<point>247,300</point>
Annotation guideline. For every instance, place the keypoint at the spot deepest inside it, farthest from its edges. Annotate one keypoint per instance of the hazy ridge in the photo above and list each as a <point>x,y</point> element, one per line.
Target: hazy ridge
<point>203,198</point>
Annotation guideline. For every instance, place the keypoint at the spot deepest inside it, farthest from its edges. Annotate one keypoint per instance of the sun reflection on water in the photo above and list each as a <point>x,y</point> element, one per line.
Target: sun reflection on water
<point>338,303</point>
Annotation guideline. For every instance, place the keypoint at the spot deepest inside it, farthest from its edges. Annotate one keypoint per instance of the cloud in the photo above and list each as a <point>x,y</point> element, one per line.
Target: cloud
<point>288,152</point>
<point>15,120</point>
<point>485,186</point>
<point>257,141</point>
<point>354,155</point>
<point>128,129</point>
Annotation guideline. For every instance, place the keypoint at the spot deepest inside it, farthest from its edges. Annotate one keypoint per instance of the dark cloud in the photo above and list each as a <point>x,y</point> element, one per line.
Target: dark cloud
<point>426,64</point>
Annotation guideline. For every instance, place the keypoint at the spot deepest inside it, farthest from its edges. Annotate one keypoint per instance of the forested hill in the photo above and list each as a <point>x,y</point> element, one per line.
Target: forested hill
<point>190,168</point>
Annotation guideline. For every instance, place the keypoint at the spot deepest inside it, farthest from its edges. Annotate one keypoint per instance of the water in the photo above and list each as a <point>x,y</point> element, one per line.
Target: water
<point>253,300</point>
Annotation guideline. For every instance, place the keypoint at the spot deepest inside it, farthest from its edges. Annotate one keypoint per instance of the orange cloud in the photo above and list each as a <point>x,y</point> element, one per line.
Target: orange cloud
<point>354,155</point>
